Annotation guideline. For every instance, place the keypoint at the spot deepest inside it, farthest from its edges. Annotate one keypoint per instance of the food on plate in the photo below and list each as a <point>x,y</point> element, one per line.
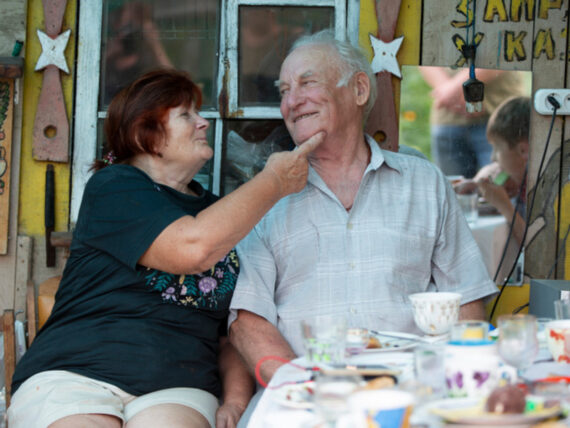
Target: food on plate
<point>373,343</point>
<point>380,382</point>
<point>506,399</point>
<point>300,394</point>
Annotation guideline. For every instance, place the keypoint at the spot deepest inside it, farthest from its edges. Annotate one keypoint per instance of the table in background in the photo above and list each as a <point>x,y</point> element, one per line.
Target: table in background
<point>490,233</point>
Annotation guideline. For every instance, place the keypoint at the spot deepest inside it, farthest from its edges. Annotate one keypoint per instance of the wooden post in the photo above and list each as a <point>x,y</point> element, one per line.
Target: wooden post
<point>6,123</point>
<point>9,351</point>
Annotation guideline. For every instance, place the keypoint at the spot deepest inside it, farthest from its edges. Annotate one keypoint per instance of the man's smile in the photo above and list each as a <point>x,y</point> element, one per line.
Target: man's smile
<point>303,116</point>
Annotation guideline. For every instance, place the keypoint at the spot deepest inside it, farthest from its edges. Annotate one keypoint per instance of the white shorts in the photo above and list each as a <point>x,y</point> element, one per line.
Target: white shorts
<point>48,396</point>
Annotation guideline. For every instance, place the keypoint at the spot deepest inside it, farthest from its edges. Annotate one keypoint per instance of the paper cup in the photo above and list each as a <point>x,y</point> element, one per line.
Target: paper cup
<point>386,408</point>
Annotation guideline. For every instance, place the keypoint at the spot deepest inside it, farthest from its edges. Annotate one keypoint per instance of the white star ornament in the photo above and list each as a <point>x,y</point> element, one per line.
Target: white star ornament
<point>385,55</point>
<point>52,51</point>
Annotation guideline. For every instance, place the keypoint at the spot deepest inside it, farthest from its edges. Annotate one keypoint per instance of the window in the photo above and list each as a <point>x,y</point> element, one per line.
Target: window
<point>233,50</point>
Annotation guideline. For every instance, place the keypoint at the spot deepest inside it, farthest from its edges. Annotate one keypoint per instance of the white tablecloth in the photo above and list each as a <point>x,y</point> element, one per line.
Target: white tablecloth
<point>490,233</point>
<point>271,414</point>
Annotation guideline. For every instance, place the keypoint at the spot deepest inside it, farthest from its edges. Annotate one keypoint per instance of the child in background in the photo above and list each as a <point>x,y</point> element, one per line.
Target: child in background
<point>508,133</point>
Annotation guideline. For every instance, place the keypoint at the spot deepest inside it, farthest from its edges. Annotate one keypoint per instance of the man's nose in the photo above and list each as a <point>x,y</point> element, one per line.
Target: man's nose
<point>294,97</point>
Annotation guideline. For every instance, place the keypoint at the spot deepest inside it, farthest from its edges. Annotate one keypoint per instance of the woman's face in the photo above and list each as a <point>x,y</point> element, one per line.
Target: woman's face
<point>186,140</point>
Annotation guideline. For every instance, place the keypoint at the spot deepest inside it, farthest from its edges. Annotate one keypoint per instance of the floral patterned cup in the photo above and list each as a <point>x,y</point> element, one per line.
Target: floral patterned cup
<point>474,369</point>
<point>435,312</point>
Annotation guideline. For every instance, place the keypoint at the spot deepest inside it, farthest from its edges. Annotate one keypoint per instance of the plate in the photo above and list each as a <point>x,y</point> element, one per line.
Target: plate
<point>297,396</point>
<point>470,411</point>
<point>394,344</point>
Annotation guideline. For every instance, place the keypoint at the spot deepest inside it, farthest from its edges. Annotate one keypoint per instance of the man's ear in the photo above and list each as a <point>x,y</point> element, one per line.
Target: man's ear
<point>361,88</point>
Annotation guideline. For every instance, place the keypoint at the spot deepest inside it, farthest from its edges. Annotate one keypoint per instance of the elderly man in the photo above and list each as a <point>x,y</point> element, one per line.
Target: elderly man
<point>369,228</point>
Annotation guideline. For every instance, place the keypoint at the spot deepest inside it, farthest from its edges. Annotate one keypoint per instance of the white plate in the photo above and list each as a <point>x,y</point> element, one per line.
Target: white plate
<point>297,396</point>
<point>470,411</point>
<point>394,344</point>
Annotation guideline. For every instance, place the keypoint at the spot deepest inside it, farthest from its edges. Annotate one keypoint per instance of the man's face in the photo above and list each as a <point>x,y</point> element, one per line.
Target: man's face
<point>310,99</point>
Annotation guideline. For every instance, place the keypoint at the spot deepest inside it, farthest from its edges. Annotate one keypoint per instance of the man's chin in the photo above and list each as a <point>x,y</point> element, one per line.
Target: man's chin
<point>300,137</point>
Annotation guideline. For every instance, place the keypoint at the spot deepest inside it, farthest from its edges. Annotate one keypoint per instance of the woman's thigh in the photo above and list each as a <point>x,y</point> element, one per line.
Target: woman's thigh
<point>49,397</point>
<point>168,415</point>
<point>88,421</point>
<point>174,407</point>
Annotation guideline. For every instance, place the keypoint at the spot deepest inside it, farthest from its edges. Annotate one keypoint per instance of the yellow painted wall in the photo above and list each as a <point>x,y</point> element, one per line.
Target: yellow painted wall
<point>32,173</point>
<point>564,225</point>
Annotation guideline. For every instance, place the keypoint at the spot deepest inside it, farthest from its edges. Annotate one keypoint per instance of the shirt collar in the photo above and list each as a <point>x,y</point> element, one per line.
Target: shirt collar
<point>379,157</point>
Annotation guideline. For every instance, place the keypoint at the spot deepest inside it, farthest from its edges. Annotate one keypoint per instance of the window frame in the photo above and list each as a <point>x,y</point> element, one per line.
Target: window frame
<point>87,115</point>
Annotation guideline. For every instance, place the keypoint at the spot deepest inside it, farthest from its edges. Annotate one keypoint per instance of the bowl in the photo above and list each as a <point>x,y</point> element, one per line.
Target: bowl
<point>435,312</point>
<point>558,340</point>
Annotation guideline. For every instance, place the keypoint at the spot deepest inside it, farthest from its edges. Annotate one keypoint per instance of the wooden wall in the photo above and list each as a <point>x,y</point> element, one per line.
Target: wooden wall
<point>510,35</point>
<point>518,35</point>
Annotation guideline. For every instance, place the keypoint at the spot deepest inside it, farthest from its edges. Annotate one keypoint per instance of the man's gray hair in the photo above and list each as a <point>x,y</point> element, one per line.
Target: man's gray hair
<point>351,61</point>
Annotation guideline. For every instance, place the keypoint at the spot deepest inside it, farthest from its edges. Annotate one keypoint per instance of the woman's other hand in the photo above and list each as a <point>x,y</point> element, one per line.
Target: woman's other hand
<point>292,168</point>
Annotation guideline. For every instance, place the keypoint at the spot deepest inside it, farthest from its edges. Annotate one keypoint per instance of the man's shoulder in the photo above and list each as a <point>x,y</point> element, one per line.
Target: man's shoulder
<point>404,162</point>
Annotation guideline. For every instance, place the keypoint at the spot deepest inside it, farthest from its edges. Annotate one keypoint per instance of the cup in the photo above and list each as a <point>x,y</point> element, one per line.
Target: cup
<point>324,339</point>
<point>562,309</point>
<point>474,369</point>
<point>469,330</point>
<point>468,203</point>
<point>384,408</point>
<point>558,340</point>
<point>429,369</point>
<point>357,340</point>
<point>435,312</point>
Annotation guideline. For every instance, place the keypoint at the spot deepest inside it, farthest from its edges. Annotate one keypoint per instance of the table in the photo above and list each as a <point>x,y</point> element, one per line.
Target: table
<point>269,413</point>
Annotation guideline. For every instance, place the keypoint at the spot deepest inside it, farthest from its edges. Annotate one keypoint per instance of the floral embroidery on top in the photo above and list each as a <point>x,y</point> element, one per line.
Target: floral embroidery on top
<point>211,289</point>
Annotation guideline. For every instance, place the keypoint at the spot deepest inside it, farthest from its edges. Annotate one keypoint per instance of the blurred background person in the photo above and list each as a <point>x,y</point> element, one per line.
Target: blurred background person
<point>508,133</point>
<point>458,139</point>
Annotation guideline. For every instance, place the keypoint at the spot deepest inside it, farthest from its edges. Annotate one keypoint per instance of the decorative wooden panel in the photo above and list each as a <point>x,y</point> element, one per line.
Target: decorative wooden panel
<point>549,67</point>
<point>503,32</point>
<point>6,123</point>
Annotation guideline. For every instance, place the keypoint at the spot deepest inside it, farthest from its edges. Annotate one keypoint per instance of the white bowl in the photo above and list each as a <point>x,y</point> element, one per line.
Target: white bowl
<point>435,312</point>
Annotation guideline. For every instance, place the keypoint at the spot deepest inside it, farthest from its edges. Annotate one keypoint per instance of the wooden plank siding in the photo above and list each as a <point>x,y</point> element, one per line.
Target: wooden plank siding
<point>519,35</point>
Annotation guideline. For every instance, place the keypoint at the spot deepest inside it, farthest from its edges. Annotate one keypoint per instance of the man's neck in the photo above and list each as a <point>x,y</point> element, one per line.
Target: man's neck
<point>342,166</point>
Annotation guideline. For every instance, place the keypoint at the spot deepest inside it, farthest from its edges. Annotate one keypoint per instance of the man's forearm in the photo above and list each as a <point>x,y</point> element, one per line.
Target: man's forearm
<point>254,337</point>
<point>474,310</point>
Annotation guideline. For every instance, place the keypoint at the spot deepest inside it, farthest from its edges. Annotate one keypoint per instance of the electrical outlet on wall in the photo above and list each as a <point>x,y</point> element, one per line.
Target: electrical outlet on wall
<point>543,106</point>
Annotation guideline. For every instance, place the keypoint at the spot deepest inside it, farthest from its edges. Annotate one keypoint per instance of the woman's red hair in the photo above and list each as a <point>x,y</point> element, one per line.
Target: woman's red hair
<point>135,121</point>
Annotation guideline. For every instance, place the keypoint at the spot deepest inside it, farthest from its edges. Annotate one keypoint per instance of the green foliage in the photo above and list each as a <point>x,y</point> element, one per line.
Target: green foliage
<point>415,106</point>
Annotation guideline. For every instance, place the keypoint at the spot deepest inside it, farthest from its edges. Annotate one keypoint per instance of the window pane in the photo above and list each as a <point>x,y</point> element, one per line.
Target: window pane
<point>138,36</point>
<point>266,34</point>
<point>248,144</point>
<point>204,176</point>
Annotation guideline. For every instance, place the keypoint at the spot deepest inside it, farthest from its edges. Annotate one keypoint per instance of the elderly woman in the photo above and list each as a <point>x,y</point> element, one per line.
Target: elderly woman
<point>137,336</point>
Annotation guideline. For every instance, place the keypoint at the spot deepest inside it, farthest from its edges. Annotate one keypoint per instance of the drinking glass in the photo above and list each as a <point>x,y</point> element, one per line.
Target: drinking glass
<point>324,338</point>
<point>562,309</point>
<point>468,203</point>
<point>429,369</point>
<point>518,341</point>
<point>332,390</point>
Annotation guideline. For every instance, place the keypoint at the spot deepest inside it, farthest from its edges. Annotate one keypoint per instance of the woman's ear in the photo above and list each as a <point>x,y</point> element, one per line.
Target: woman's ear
<point>361,88</point>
